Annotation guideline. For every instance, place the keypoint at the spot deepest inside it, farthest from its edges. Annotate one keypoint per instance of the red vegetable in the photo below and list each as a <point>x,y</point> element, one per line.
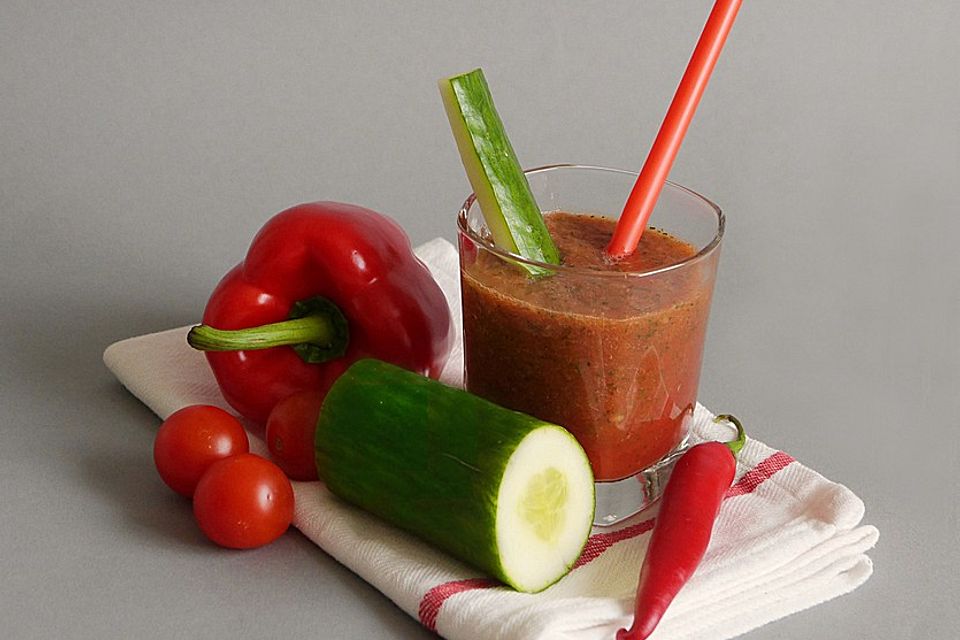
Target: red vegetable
<point>688,509</point>
<point>243,502</point>
<point>289,436</point>
<point>192,439</point>
<point>323,284</point>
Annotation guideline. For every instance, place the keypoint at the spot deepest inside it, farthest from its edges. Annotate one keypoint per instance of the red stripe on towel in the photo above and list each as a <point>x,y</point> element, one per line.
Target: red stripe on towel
<point>759,474</point>
<point>598,543</point>
<point>434,599</point>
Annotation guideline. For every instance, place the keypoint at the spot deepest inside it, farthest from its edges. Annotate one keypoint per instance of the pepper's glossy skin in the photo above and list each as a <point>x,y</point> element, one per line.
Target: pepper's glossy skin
<point>358,259</point>
<point>688,509</point>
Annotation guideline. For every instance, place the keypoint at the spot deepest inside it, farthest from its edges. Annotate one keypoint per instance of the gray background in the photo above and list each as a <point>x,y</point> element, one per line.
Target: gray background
<point>143,144</point>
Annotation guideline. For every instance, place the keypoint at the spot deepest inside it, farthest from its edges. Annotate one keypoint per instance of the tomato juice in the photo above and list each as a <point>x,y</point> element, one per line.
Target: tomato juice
<point>611,350</point>
<point>612,356</point>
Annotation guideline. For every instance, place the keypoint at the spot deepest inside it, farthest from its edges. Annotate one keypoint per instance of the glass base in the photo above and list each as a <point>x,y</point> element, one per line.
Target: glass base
<point>617,500</point>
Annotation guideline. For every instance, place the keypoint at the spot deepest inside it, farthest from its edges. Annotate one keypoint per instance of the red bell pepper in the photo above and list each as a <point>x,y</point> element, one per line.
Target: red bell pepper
<point>322,285</point>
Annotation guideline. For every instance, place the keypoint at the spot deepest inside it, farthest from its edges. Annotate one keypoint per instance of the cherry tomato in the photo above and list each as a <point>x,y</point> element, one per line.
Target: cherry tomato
<point>289,434</point>
<point>192,439</point>
<point>243,502</point>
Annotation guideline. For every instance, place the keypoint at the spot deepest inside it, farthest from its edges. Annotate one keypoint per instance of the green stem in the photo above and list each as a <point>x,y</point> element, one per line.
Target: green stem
<point>317,331</point>
<point>734,445</point>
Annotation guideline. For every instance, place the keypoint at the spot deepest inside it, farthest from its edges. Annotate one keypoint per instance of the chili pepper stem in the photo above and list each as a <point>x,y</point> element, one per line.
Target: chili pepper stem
<point>734,445</point>
<point>317,330</point>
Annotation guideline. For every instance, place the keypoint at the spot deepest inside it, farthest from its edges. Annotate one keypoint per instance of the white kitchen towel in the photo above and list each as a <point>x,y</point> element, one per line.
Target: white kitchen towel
<point>786,538</point>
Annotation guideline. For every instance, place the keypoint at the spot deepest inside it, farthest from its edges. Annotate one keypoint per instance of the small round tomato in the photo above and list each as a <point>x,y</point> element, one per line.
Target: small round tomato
<point>243,502</point>
<point>289,434</point>
<point>192,439</point>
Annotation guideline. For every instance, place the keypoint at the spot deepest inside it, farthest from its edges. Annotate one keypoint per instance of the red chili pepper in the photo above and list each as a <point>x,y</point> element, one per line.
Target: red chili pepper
<point>688,509</point>
<point>322,285</point>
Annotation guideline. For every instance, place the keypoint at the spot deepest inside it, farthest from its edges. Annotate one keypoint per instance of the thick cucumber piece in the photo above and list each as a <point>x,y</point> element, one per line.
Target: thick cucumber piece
<point>502,190</point>
<point>505,492</point>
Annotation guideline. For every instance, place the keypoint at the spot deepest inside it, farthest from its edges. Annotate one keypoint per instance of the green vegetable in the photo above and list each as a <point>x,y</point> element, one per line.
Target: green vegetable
<point>502,190</point>
<point>505,492</point>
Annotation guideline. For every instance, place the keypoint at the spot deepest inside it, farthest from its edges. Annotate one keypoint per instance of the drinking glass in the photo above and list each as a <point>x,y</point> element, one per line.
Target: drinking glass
<point>613,356</point>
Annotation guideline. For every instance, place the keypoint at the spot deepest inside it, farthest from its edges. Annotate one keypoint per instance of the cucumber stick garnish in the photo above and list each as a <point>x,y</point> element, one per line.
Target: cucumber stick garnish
<point>508,493</point>
<point>501,188</point>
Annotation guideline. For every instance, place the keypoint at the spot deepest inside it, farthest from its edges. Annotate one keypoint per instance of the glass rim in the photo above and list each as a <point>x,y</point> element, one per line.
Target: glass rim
<point>707,249</point>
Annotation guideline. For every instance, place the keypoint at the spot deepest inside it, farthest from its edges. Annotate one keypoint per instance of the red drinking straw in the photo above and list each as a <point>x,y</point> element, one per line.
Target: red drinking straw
<point>643,197</point>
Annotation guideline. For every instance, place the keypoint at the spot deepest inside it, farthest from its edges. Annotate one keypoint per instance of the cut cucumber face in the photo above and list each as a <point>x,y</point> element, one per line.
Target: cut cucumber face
<point>502,191</point>
<point>500,490</point>
<point>545,499</point>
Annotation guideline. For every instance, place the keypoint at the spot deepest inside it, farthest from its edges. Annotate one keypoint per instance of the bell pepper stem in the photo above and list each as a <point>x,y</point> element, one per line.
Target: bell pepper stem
<point>316,329</point>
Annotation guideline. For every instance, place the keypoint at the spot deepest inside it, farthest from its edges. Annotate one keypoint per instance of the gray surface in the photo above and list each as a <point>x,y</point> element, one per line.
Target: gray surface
<point>144,143</point>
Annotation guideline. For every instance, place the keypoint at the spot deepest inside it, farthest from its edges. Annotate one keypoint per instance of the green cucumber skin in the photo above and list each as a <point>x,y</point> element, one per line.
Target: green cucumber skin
<point>528,235</point>
<point>426,457</point>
